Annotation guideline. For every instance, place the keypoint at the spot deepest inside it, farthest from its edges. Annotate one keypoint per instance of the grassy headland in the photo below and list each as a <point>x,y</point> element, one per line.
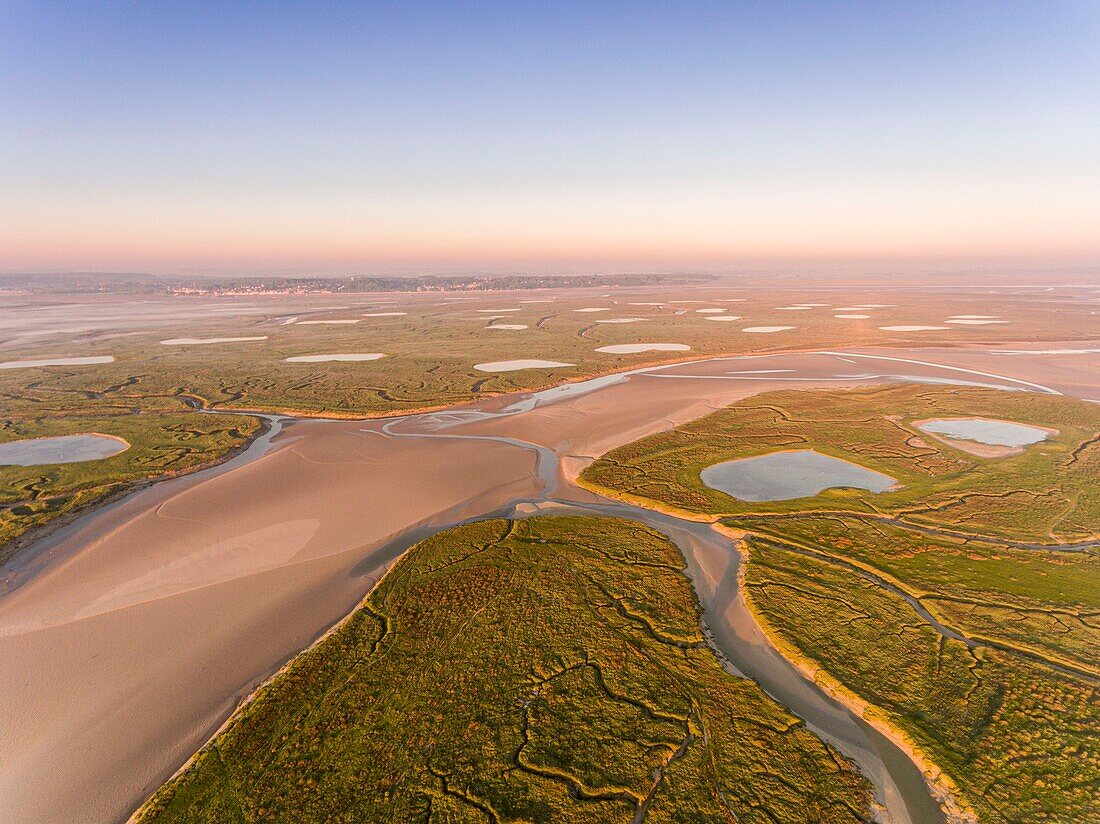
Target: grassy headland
<point>537,670</point>
<point>956,607</point>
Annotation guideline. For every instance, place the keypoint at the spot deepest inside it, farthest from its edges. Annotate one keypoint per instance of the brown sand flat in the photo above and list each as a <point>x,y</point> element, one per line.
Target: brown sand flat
<point>120,660</point>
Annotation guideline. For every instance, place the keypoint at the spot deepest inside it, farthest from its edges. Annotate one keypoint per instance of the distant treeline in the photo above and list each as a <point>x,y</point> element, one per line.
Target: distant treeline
<point>153,284</point>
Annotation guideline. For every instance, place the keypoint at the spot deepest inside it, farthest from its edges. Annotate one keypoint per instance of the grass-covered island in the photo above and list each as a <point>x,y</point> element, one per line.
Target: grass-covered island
<point>550,669</point>
<point>961,608</point>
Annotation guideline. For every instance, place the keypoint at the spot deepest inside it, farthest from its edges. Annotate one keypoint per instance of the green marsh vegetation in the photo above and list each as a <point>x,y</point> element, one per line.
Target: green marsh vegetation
<point>544,669</point>
<point>957,607</point>
<point>1039,494</point>
<point>165,439</point>
<point>430,352</point>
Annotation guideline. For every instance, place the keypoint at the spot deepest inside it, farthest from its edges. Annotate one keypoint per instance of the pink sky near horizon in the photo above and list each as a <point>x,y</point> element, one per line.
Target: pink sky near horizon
<point>614,229</point>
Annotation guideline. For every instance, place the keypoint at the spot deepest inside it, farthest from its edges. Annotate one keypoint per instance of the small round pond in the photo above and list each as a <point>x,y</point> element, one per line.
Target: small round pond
<point>986,431</point>
<point>62,449</point>
<point>781,476</point>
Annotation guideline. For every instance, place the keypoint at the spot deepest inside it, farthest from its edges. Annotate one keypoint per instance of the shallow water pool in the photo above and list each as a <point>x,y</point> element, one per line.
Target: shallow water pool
<point>780,476</point>
<point>62,449</point>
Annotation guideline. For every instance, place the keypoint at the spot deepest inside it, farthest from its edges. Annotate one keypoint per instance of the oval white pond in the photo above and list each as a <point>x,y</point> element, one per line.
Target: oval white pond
<point>986,430</point>
<point>632,348</point>
<point>60,449</point>
<point>516,365</point>
<point>348,357</point>
<point>780,476</point>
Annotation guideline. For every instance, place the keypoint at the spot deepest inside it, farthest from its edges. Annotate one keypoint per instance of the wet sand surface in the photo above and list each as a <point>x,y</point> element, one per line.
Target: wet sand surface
<point>129,637</point>
<point>125,654</point>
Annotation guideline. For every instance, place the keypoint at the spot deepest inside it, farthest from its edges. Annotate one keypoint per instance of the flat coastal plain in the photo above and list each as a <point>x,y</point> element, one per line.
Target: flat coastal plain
<point>130,634</point>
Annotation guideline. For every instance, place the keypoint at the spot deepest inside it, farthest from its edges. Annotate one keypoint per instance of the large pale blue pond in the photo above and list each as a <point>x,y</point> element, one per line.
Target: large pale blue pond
<point>780,476</point>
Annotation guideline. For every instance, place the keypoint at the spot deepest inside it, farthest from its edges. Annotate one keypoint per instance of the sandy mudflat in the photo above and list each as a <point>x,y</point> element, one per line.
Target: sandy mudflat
<point>203,341</point>
<point>632,348</point>
<point>29,364</point>
<point>973,321</point>
<point>383,314</point>
<point>507,326</point>
<point>367,356</point>
<point>974,317</point>
<point>852,316</point>
<point>794,308</point>
<point>724,318</point>
<point>128,655</point>
<point>516,365</point>
<point>646,304</point>
<point>325,322</point>
<point>768,328</point>
<point>1044,351</point>
<point>759,371</point>
<point>916,327</point>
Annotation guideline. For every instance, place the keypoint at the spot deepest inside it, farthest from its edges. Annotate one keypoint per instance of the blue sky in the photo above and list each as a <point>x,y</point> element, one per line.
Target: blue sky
<point>156,136</point>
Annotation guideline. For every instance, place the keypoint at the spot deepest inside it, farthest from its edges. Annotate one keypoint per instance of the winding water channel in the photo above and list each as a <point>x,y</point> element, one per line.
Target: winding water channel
<point>131,634</point>
<point>712,564</point>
